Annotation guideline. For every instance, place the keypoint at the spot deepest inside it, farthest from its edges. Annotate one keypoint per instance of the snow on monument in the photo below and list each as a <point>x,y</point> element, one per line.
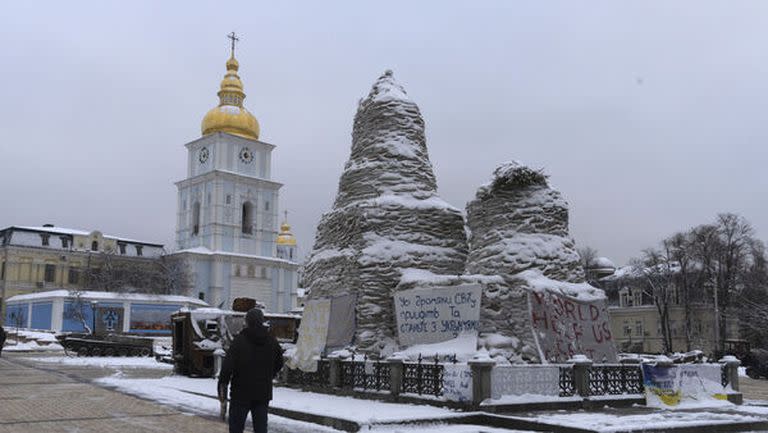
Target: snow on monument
<point>519,231</point>
<point>387,217</point>
<point>517,223</point>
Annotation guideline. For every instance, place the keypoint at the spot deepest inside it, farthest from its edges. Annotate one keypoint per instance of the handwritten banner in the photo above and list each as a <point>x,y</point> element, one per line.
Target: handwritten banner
<point>313,332</point>
<point>565,327</point>
<point>437,314</point>
<point>457,382</point>
<point>681,385</point>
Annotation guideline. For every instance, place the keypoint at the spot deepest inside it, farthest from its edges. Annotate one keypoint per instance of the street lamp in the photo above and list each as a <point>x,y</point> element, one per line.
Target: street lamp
<point>93,316</point>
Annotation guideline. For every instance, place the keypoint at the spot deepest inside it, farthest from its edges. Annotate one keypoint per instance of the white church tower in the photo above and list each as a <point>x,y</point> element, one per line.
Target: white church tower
<point>227,215</point>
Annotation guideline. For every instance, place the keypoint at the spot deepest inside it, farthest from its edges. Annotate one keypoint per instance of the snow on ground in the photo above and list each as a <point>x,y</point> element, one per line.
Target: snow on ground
<point>103,362</point>
<point>441,428</point>
<point>30,346</point>
<point>34,335</point>
<point>613,421</point>
<point>185,392</point>
<point>171,391</point>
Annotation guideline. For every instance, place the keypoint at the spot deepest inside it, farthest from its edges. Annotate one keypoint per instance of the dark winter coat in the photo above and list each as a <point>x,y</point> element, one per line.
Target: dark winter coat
<point>252,362</point>
<point>2,336</point>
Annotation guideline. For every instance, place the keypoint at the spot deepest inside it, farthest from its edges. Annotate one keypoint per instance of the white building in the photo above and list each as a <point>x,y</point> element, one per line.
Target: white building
<point>55,311</point>
<point>228,209</point>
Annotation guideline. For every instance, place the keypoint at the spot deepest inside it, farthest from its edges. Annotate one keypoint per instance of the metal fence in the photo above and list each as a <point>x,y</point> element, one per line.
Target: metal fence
<point>615,379</point>
<point>567,386</point>
<point>423,378</point>
<point>365,375</point>
<point>321,377</point>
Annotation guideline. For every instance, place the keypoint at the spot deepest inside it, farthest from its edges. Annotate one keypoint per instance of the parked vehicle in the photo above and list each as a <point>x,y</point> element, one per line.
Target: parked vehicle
<point>106,345</point>
<point>198,334</point>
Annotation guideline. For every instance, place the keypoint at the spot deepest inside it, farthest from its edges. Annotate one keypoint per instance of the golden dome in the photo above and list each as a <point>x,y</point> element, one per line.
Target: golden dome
<point>230,116</point>
<point>285,237</point>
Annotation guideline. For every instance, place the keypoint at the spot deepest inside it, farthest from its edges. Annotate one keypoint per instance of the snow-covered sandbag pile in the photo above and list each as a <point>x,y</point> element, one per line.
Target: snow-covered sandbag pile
<point>387,216</point>
<point>519,231</point>
<point>518,222</point>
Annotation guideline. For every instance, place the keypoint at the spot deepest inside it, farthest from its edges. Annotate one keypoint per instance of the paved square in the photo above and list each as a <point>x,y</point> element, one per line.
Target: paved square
<point>36,401</point>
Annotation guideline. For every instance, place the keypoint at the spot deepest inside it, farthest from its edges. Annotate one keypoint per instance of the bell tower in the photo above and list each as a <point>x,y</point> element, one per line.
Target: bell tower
<point>227,206</point>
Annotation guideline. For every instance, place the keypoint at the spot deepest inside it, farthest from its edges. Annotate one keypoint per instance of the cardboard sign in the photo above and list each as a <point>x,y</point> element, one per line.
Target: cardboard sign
<point>313,332</point>
<point>457,382</point>
<point>678,385</point>
<point>564,327</point>
<point>437,314</point>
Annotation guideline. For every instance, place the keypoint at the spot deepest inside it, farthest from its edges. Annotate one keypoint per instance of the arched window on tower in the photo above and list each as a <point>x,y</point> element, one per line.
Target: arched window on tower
<point>247,218</point>
<point>196,218</point>
<point>95,246</point>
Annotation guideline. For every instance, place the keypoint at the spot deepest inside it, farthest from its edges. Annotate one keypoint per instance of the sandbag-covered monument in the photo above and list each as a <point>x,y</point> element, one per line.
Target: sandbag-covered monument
<point>393,265</point>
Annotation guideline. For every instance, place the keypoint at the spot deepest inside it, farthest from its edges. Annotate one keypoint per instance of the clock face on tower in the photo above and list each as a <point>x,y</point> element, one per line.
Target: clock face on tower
<point>246,155</point>
<point>203,155</point>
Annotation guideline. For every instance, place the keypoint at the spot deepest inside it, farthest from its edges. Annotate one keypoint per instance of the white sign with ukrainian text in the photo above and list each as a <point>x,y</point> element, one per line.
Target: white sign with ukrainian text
<point>437,314</point>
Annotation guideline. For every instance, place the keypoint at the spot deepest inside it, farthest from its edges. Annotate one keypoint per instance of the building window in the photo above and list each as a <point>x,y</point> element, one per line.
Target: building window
<point>95,246</point>
<point>263,272</point>
<point>50,273</point>
<point>247,226</point>
<point>73,276</point>
<point>201,296</point>
<point>624,299</point>
<point>196,218</point>
<point>121,247</point>
<point>266,205</point>
<point>237,270</point>
<point>229,199</point>
<point>64,242</point>
<point>2,271</point>
<point>139,249</point>
<point>638,327</point>
<point>46,239</point>
<point>627,329</point>
<point>637,298</point>
<point>251,271</point>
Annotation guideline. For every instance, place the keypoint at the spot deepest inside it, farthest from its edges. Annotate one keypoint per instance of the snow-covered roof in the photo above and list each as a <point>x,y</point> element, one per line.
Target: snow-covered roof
<point>584,292</point>
<point>77,232</point>
<point>109,296</point>
<point>208,252</point>
<point>602,263</point>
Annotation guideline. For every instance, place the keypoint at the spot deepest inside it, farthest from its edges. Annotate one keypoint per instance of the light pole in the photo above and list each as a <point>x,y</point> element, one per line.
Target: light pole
<point>93,316</point>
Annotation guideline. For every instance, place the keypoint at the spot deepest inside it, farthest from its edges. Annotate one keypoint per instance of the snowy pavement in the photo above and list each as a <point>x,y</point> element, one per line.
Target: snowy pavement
<point>102,362</point>
<point>151,381</point>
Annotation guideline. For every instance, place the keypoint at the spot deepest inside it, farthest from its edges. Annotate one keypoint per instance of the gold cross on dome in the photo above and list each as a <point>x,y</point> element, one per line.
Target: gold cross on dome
<point>234,39</point>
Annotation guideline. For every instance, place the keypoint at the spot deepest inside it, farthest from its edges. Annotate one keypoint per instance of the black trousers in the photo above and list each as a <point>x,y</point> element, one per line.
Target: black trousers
<point>238,413</point>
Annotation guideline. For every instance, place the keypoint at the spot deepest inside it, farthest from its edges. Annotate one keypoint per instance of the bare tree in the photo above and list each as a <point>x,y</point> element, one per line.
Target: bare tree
<point>587,256</point>
<point>655,270</point>
<point>163,275</point>
<point>77,309</point>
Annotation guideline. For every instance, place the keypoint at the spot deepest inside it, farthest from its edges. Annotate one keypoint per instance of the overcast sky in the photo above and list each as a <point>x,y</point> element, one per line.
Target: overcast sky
<point>650,116</point>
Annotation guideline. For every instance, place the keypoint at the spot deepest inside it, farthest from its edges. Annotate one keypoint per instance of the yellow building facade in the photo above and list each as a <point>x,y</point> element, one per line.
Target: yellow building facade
<point>39,259</point>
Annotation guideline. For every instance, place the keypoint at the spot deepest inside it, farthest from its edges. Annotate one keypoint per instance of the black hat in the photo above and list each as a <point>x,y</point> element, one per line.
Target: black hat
<point>254,317</point>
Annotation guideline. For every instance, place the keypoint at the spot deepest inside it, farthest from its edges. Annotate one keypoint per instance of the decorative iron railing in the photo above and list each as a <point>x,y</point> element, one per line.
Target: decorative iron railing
<point>321,377</point>
<point>366,375</point>
<point>423,378</point>
<point>567,387</point>
<point>724,380</point>
<point>615,379</point>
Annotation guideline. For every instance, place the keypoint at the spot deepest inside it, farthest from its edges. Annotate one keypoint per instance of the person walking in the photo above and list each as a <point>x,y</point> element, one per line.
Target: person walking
<point>2,340</point>
<point>252,362</point>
